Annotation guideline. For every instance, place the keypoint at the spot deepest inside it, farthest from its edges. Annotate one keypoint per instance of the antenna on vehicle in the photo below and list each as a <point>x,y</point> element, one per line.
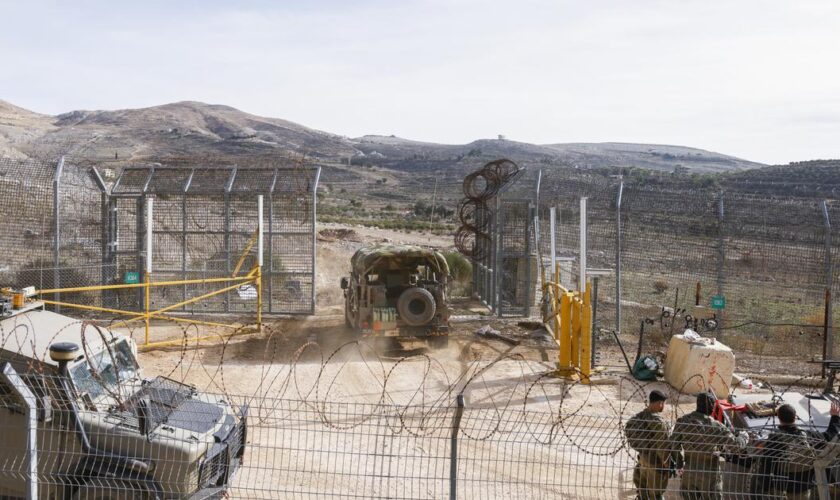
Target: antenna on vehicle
<point>62,353</point>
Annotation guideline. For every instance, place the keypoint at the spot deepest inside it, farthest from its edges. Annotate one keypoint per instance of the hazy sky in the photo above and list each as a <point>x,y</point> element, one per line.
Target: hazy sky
<point>759,80</point>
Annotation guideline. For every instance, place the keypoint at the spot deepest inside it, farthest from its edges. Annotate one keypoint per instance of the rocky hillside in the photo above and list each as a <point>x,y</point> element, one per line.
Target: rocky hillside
<point>395,152</point>
<point>193,128</point>
<point>183,128</point>
<point>19,128</point>
<point>652,156</point>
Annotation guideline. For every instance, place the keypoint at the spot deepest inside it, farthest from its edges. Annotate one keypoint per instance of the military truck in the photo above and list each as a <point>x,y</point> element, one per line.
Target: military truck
<point>398,291</point>
<point>101,430</point>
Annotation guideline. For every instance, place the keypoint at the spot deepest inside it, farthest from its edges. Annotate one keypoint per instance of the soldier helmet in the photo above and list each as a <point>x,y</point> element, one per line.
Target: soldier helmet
<point>706,403</point>
<point>655,396</point>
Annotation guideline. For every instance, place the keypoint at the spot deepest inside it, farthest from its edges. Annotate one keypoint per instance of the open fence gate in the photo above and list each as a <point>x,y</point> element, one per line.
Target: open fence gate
<point>205,225</point>
<point>142,288</point>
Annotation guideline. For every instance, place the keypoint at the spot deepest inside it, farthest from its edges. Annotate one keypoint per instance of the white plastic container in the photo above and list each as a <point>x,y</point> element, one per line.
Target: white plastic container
<point>693,367</point>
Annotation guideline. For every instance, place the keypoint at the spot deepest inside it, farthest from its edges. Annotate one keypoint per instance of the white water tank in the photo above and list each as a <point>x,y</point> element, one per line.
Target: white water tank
<point>695,365</point>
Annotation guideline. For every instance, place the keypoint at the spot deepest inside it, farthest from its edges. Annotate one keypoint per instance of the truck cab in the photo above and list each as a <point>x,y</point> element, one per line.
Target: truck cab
<point>75,407</point>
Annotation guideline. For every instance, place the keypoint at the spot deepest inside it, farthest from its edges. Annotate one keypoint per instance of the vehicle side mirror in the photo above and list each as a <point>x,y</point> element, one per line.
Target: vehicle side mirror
<point>345,283</point>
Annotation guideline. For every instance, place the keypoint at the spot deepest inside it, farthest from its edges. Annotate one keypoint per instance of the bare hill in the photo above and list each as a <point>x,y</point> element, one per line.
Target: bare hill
<point>652,156</point>
<point>183,128</point>
<point>395,152</point>
<point>194,128</point>
<point>19,127</point>
<point>816,178</point>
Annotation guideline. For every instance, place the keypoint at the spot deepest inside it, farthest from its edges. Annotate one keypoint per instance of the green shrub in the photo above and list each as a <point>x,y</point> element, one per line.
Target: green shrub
<point>659,286</point>
<point>460,267</point>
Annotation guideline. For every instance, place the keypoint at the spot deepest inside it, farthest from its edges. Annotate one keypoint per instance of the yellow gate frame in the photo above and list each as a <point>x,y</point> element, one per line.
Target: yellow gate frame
<point>254,276</point>
<point>571,324</point>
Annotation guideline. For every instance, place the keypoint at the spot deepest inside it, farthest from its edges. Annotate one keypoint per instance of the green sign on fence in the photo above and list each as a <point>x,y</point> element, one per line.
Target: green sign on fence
<point>131,277</point>
<point>718,302</point>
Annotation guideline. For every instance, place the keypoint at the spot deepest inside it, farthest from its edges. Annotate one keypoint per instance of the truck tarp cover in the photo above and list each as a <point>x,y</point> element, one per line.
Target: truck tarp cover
<point>384,257</point>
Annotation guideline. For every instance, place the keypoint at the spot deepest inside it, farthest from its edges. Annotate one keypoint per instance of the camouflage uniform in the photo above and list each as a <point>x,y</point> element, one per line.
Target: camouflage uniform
<point>786,462</point>
<point>700,438</point>
<point>647,433</point>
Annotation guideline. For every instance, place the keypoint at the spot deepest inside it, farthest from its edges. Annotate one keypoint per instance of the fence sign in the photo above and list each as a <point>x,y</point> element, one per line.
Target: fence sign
<point>247,292</point>
<point>718,302</point>
<point>131,277</point>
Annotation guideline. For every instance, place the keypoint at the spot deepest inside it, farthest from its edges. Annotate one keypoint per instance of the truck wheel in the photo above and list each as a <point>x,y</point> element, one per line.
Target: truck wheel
<point>110,489</point>
<point>416,306</point>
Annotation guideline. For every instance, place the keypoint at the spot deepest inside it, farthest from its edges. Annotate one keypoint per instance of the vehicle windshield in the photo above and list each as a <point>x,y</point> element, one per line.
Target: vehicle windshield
<point>104,370</point>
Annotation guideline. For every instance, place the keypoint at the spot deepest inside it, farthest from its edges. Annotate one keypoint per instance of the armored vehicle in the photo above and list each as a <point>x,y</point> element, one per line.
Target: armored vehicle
<point>398,291</point>
<point>76,411</point>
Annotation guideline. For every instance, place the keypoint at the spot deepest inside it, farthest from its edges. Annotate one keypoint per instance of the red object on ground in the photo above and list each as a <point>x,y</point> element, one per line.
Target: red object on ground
<point>723,405</point>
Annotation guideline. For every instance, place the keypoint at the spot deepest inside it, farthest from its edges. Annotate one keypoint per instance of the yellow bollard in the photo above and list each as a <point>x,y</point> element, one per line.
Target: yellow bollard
<point>575,344</point>
<point>572,320</point>
<point>565,364</point>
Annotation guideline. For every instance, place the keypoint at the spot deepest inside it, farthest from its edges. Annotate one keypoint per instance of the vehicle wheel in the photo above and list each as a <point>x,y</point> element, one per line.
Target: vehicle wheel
<point>349,316</point>
<point>110,489</point>
<point>416,306</point>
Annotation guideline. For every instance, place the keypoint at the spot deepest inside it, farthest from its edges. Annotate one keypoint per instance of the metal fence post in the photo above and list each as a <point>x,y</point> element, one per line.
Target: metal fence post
<point>583,246</point>
<point>106,270</point>
<point>594,319</point>
<point>453,445</point>
<point>260,248</point>
<point>268,275</point>
<point>57,230</point>
<point>721,263</point>
<point>314,237</point>
<point>552,236</point>
<point>139,244</point>
<point>150,236</point>
<point>829,285</point>
<point>825,457</point>
<point>821,478</point>
<point>618,257</point>
<point>494,283</point>
<point>528,249</point>
<point>11,378</point>
<point>228,188</point>
<point>184,239</point>
<point>105,227</point>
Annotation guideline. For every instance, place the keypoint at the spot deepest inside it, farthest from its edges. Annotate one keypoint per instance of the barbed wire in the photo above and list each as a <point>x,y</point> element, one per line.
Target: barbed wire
<point>432,392</point>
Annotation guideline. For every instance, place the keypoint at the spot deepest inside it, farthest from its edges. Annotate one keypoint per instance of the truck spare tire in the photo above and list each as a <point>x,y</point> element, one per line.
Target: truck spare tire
<point>416,306</point>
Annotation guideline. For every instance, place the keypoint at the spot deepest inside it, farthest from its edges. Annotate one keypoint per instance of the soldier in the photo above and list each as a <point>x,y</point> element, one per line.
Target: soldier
<point>702,439</point>
<point>789,454</point>
<point>648,434</point>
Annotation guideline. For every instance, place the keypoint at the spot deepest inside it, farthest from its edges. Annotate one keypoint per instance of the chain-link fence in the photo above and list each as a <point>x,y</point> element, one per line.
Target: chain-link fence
<point>52,234</point>
<point>266,418</point>
<point>166,440</point>
<point>761,272</point>
<point>205,223</point>
<point>505,264</point>
<point>71,226</point>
